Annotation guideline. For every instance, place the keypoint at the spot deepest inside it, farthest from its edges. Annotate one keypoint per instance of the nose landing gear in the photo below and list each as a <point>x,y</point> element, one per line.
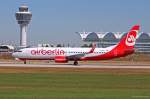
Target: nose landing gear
<point>75,63</point>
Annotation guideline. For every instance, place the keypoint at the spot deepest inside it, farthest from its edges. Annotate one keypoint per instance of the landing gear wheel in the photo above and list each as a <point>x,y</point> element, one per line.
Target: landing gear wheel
<point>25,62</point>
<point>75,63</point>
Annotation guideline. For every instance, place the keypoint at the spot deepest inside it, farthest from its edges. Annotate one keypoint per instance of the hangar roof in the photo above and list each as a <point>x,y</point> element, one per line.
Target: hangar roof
<point>109,36</point>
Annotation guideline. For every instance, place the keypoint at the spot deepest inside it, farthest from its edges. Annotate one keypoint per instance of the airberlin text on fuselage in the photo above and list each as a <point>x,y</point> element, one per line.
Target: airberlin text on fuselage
<point>47,52</point>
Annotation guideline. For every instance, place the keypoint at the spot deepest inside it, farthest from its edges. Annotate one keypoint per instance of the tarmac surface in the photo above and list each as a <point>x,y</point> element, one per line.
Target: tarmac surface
<point>57,65</point>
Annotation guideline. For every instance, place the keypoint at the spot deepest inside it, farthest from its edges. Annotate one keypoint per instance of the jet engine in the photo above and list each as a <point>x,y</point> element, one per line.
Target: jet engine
<point>61,59</point>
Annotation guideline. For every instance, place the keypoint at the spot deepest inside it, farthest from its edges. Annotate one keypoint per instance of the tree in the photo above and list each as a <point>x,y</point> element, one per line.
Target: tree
<point>59,45</point>
<point>91,45</point>
<point>84,45</point>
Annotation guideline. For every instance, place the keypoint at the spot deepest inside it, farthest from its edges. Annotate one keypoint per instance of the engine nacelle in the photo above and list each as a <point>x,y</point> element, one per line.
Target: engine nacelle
<point>61,59</point>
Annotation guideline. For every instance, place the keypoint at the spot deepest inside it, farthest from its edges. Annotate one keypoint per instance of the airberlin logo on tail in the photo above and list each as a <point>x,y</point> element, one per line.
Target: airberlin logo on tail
<point>131,37</point>
<point>47,52</point>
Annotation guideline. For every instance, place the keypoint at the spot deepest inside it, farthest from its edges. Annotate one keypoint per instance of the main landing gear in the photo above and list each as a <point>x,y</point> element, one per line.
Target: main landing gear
<point>75,63</point>
<point>25,62</point>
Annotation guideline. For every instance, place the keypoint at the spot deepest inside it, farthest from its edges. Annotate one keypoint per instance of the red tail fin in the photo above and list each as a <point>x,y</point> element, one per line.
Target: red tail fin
<point>128,41</point>
<point>131,36</point>
<point>126,45</point>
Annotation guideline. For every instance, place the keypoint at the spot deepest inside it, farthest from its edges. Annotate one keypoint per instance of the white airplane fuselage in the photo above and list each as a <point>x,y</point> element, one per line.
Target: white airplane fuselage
<point>49,53</point>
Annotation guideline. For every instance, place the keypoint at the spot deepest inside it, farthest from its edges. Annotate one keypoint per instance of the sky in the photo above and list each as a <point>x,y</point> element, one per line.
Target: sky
<point>56,21</point>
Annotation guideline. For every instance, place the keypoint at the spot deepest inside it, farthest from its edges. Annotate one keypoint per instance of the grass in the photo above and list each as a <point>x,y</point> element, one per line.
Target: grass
<point>73,85</point>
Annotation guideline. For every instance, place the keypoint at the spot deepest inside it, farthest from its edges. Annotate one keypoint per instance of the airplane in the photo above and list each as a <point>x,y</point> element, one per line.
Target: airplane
<point>64,54</point>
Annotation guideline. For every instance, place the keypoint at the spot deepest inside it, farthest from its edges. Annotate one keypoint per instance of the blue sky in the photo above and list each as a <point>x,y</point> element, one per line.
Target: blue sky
<point>56,21</point>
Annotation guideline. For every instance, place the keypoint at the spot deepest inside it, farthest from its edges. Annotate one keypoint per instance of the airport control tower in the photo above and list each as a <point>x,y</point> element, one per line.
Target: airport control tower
<point>23,16</point>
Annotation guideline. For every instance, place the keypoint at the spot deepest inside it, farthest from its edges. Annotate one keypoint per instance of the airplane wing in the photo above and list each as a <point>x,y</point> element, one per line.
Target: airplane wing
<point>78,56</point>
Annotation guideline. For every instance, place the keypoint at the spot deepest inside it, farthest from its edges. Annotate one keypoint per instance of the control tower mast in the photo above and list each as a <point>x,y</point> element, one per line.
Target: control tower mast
<point>23,16</point>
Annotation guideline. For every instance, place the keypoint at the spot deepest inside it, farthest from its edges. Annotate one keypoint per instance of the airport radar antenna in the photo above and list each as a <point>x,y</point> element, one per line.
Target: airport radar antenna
<point>23,17</point>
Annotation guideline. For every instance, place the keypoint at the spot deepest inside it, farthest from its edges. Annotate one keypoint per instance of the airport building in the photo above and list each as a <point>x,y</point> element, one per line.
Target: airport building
<point>6,50</point>
<point>105,39</point>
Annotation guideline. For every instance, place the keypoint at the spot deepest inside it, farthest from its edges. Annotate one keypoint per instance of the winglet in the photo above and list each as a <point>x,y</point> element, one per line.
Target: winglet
<point>93,48</point>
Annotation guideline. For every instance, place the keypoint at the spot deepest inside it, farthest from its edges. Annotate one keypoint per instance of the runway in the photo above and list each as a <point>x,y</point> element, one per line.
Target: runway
<point>54,65</point>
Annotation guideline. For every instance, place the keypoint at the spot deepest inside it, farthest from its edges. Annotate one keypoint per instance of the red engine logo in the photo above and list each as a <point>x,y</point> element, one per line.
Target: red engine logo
<point>47,52</point>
